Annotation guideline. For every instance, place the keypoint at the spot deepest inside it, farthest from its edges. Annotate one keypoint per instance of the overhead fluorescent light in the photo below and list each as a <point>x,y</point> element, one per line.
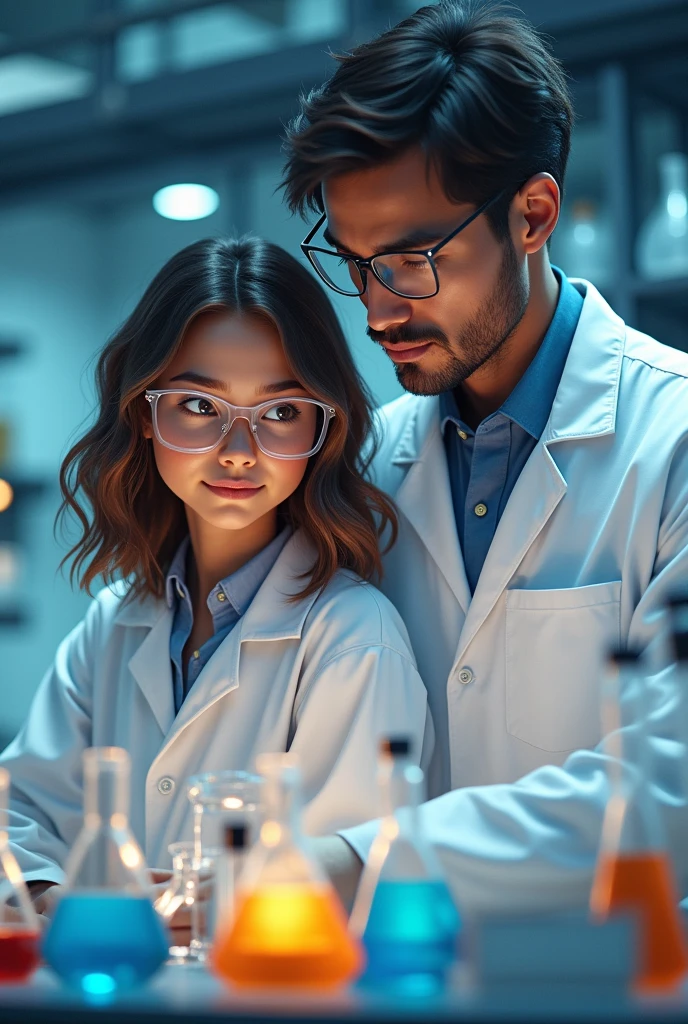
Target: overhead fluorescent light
<point>186,201</point>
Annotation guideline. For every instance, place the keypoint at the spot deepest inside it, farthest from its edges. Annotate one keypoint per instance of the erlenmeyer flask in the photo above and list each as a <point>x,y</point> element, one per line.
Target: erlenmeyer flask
<point>289,929</point>
<point>105,935</point>
<point>403,910</point>
<point>633,872</point>
<point>19,931</point>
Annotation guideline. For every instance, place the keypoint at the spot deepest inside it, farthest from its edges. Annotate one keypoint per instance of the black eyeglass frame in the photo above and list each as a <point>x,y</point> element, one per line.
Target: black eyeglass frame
<point>364,265</point>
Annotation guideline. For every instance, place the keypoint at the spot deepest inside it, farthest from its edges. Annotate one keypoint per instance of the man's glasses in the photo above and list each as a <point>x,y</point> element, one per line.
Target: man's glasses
<point>195,422</point>
<point>412,274</point>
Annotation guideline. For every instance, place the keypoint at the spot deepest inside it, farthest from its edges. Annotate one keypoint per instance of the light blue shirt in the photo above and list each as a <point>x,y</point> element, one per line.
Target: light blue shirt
<point>485,464</point>
<point>227,602</point>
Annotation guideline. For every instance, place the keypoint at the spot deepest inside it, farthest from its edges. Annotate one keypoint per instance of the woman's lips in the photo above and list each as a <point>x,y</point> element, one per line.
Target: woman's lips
<point>407,353</point>
<point>238,489</point>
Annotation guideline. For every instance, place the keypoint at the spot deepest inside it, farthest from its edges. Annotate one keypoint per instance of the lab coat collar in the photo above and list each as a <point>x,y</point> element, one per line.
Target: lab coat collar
<point>270,617</point>
<point>584,406</point>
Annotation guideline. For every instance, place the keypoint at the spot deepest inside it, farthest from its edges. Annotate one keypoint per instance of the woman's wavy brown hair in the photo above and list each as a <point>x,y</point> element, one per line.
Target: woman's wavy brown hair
<point>131,523</point>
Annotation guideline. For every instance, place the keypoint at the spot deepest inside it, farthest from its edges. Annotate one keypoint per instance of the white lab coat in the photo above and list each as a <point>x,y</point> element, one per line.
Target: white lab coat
<point>593,538</point>
<point>325,677</point>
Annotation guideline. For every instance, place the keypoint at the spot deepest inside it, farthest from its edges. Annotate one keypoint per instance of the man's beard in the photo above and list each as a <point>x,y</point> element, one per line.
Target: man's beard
<point>481,338</point>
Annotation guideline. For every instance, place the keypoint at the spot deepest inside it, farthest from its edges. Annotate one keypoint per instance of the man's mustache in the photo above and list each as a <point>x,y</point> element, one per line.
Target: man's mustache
<point>408,333</point>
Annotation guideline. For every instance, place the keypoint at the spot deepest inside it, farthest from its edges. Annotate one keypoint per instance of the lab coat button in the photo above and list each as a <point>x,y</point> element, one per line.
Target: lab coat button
<point>465,676</point>
<point>166,785</point>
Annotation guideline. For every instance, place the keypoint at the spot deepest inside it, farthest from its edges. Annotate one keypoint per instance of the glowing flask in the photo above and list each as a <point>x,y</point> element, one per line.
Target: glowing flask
<point>105,936</point>
<point>289,929</point>
<point>634,874</point>
<point>19,931</point>
<point>404,911</point>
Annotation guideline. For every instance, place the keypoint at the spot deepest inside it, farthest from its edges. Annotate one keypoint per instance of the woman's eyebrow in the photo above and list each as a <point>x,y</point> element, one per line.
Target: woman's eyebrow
<point>199,378</point>
<point>279,386</point>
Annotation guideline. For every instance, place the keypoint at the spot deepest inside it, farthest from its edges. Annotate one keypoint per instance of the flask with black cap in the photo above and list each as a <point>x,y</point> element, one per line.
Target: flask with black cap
<point>404,911</point>
<point>634,874</point>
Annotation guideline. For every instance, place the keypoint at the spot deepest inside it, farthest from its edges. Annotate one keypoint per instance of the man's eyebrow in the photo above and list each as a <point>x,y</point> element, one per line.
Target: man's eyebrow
<point>421,238</point>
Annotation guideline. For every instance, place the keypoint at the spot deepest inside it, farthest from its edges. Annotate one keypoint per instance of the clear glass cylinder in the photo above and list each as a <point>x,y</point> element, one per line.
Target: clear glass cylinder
<point>182,892</point>
<point>662,247</point>
<point>105,935</point>
<point>19,930</point>
<point>218,799</point>
<point>289,929</point>
<point>404,912</point>
<point>633,872</point>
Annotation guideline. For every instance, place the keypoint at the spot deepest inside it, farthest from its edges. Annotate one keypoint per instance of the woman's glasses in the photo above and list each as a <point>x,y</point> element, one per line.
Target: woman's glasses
<point>194,422</point>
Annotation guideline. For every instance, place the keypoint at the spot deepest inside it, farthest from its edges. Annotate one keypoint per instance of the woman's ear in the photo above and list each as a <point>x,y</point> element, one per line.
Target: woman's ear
<point>147,419</point>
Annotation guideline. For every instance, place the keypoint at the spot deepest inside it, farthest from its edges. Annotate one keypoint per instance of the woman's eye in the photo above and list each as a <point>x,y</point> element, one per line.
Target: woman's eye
<point>198,406</point>
<point>282,414</point>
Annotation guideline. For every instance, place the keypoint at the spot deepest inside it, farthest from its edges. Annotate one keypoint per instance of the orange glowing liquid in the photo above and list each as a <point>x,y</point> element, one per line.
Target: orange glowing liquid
<point>642,883</point>
<point>288,936</point>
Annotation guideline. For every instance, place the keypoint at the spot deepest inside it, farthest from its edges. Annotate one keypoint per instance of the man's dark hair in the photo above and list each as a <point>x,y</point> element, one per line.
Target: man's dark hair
<point>474,85</point>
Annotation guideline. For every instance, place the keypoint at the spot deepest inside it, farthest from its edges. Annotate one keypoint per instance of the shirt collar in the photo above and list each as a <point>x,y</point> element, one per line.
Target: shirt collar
<point>530,403</point>
<point>239,587</point>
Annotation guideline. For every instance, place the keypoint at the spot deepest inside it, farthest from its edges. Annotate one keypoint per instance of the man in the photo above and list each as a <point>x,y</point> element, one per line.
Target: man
<point>539,462</point>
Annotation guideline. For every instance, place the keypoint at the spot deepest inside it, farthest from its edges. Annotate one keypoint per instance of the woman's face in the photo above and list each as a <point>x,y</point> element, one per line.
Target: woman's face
<point>240,359</point>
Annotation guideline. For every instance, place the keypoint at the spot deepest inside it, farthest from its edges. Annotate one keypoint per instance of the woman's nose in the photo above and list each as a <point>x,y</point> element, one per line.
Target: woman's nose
<point>238,445</point>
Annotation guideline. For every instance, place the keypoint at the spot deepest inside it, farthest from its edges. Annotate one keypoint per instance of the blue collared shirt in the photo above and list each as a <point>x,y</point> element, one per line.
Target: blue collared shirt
<point>227,602</point>
<point>485,464</point>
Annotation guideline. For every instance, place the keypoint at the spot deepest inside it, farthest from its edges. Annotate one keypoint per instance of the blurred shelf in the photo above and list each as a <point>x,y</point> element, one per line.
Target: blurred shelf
<point>673,289</point>
<point>12,617</point>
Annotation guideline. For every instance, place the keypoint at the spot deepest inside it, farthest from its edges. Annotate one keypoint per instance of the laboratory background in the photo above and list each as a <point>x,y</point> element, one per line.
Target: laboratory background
<point>106,103</point>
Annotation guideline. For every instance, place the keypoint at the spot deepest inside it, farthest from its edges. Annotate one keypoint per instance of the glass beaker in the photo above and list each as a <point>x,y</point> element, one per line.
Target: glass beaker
<point>404,912</point>
<point>289,928</point>
<point>633,872</point>
<point>219,799</point>
<point>19,930</point>
<point>105,935</point>
<point>181,892</point>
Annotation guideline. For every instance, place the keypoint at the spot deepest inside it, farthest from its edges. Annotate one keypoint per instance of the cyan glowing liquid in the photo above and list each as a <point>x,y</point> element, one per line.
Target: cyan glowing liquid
<point>411,932</point>
<point>102,943</point>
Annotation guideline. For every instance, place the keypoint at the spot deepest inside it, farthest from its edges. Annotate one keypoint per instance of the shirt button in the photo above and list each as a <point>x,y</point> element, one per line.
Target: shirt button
<point>465,676</point>
<point>480,509</point>
<point>166,785</point>
<point>463,435</point>
<point>221,596</point>
<point>197,654</point>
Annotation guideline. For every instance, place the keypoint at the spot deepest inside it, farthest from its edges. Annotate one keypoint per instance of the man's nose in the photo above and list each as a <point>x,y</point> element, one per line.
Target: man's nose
<point>385,309</point>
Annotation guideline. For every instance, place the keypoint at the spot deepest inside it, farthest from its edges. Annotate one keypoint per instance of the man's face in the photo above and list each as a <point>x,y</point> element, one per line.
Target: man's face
<point>439,342</point>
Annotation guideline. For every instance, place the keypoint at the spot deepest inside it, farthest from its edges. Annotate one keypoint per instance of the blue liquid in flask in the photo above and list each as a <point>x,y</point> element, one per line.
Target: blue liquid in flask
<point>103,944</point>
<point>411,934</point>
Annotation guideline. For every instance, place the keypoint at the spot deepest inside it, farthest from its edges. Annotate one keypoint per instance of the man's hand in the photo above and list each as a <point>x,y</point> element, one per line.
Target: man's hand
<point>343,866</point>
<point>44,896</point>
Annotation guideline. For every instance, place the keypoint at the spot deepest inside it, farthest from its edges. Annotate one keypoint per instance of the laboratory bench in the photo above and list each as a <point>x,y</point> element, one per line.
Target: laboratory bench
<point>188,993</point>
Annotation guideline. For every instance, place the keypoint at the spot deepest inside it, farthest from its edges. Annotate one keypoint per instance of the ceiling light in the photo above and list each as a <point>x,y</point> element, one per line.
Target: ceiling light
<point>186,202</point>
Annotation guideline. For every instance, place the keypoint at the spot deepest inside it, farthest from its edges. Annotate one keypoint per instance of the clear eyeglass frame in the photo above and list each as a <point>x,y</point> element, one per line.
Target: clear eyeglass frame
<point>374,263</point>
<point>250,413</point>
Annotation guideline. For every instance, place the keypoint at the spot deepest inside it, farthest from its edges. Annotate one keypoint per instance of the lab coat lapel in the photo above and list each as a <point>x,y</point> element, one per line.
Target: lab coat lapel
<point>269,617</point>
<point>584,407</point>
<point>150,663</point>
<point>424,496</point>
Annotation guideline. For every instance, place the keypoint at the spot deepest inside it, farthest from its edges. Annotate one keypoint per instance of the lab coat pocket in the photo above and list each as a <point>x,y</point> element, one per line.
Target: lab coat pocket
<point>555,642</point>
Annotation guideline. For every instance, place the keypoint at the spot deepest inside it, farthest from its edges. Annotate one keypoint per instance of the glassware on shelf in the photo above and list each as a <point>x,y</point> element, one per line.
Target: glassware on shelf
<point>582,243</point>
<point>105,935</point>
<point>219,799</point>
<point>19,930</point>
<point>662,245</point>
<point>403,911</point>
<point>181,892</point>
<point>289,929</point>
<point>634,874</point>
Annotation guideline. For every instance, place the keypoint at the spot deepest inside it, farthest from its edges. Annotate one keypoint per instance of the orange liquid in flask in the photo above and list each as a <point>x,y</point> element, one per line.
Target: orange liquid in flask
<point>641,883</point>
<point>288,936</point>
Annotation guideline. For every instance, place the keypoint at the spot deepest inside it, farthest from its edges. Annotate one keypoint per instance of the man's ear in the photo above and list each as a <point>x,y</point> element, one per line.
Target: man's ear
<point>535,212</point>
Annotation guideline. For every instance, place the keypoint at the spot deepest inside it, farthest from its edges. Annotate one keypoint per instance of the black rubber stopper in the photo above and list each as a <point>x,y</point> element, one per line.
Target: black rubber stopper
<point>396,746</point>
<point>236,836</point>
